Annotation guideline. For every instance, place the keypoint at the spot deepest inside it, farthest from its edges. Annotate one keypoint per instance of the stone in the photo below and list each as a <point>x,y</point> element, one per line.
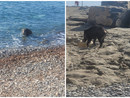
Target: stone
<point>123,4</point>
<point>123,20</point>
<point>106,16</point>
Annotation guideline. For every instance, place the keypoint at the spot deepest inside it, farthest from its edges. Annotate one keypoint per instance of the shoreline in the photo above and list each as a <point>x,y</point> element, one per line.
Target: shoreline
<point>24,50</point>
<point>44,40</point>
<point>14,55</point>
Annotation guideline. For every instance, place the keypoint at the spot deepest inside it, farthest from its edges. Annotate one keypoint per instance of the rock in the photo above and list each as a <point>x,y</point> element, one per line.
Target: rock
<point>111,13</point>
<point>123,20</point>
<point>26,32</point>
<point>127,52</point>
<point>123,4</point>
<point>96,82</point>
<point>106,16</point>
<point>69,81</point>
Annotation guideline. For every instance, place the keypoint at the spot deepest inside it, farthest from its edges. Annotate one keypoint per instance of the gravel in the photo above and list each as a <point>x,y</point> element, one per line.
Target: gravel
<point>23,50</point>
<point>114,90</point>
<point>33,73</point>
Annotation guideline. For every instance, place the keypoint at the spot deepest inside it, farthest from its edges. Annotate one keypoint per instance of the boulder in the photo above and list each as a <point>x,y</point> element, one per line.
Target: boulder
<point>123,4</point>
<point>26,32</point>
<point>124,20</point>
<point>106,16</point>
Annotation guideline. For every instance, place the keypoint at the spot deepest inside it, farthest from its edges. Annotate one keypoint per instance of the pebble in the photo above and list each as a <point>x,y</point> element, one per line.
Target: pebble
<point>24,50</point>
<point>34,78</point>
<point>114,90</point>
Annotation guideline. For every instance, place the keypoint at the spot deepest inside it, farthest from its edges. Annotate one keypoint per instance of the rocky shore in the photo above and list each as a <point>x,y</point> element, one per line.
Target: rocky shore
<point>96,71</point>
<point>32,72</point>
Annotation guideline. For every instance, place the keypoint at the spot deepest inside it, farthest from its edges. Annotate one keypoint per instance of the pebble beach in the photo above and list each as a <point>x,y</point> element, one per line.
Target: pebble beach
<point>32,64</point>
<point>32,72</point>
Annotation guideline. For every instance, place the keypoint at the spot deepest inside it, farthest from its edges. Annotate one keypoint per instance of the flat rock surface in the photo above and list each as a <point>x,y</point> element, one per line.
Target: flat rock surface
<point>33,74</point>
<point>95,67</point>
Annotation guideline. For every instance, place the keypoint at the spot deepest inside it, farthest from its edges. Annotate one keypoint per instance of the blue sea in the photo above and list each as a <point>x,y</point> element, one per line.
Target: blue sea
<point>46,19</point>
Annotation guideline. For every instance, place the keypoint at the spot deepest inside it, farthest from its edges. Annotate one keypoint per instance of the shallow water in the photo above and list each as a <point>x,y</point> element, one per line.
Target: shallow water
<point>46,19</point>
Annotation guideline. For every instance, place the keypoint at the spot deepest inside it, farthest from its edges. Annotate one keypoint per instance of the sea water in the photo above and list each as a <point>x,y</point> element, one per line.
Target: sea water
<point>46,19</point>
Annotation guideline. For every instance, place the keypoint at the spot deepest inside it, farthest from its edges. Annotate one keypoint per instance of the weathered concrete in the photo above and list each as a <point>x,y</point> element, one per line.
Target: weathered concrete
<point>106,16</point>
<point>124,4</point>
<point>124,20</point>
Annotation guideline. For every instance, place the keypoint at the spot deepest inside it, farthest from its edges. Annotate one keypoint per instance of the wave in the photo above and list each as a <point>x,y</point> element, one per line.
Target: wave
<point>16,41</point>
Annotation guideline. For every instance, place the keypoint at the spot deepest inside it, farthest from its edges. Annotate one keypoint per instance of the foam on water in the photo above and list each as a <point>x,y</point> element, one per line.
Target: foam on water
<point>16,41</point>
<point>39,16</point>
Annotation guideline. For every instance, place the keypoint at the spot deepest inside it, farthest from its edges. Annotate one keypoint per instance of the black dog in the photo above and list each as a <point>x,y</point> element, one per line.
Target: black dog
<point>26,32</point>
<point>95,32</point>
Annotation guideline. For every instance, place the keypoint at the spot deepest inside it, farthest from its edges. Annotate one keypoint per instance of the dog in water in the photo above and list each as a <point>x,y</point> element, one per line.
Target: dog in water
<point>26,32</point>
<point>95,32</point>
